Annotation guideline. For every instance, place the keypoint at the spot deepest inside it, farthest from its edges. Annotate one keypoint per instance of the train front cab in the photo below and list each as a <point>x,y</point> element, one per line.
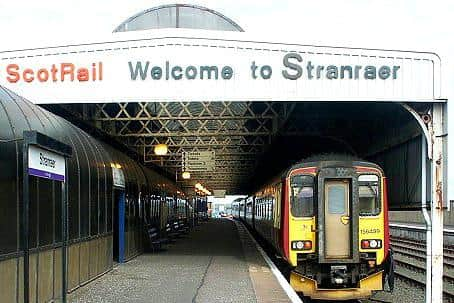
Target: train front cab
<point>338,239</point>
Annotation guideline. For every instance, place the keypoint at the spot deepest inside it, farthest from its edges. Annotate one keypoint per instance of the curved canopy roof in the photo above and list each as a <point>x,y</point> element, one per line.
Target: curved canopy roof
<point>178,16</point>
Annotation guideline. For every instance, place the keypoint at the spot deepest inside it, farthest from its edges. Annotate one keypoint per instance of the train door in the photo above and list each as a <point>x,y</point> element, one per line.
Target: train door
<point>119,226</point>
<point>337,219</point>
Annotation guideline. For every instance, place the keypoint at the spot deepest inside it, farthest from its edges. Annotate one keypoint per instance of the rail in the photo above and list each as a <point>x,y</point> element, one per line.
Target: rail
<point>418,227</point>
<point>409,256</point>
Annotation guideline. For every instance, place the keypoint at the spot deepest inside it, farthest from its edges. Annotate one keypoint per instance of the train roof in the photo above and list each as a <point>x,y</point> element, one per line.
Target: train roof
<point>322,160</point>
<point>329,160</point>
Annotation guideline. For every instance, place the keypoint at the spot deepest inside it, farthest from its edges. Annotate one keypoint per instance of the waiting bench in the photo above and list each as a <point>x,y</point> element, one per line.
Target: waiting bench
<point>154,238</point>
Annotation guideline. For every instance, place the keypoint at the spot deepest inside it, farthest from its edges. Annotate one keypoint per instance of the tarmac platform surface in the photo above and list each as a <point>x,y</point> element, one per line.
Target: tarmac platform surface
<point>216,262</point>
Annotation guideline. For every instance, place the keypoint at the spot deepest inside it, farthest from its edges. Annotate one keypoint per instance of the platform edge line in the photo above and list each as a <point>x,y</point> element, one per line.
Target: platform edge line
<point>293,296</point>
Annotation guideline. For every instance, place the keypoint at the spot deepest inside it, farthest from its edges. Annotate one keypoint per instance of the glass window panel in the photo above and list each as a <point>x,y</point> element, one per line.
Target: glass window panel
<point>58,211</point>
<point>46,212</point>
<point>302,200</point>
<point>161,18</point>
<point>8,190</point>
<point>102,200</point>
<point>84,194</point>
<point>109,205</point>
<point>73,197</point>
<point>33,218</point>
<point>369,203</point>
<point>190,17</point>
<point>336,199</point>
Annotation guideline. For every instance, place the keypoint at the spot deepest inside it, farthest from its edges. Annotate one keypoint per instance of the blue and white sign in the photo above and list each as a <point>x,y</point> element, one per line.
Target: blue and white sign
<point>46,164</point>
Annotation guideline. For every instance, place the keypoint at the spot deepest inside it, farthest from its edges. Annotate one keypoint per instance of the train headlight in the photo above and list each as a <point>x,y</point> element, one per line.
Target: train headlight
<point>301,245</point>
<point>371,244</point>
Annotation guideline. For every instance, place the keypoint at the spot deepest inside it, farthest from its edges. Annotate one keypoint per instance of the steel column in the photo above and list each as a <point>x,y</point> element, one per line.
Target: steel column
<point>25,219</point>
<point>427,219</point>
<point>64,230</point>
<point>438,137</point>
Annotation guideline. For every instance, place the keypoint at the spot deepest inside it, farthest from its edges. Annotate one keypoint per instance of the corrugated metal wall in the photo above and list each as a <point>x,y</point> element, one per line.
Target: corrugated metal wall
<point>403,166</point>
<point>90,205</point>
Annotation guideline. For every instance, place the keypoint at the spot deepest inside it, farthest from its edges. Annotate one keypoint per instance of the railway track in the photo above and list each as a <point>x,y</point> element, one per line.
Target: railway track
<point>418,251</point>
<point>410,263</point>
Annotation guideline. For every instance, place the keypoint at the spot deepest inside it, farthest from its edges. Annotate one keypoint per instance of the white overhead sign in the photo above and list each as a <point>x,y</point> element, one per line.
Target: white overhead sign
<point>198,161</point>
<point>202,69</point>
<point>45,164</point>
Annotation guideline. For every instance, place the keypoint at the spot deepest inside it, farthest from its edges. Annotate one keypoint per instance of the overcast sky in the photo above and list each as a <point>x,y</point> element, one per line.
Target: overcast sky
<point>390,24</point>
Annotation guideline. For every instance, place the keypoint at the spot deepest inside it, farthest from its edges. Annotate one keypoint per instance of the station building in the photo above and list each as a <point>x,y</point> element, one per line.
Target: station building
<point>194,80</point>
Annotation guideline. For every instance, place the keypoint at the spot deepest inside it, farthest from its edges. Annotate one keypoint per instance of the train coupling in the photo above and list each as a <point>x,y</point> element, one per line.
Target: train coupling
<point>338,274</point>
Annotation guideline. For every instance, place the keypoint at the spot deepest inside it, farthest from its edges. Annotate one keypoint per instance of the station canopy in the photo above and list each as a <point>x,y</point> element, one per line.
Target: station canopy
<point>190,78</point>
<point>255,141</point>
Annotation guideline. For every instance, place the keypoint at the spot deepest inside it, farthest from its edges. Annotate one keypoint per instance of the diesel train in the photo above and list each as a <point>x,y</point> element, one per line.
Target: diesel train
<point>327,218</point>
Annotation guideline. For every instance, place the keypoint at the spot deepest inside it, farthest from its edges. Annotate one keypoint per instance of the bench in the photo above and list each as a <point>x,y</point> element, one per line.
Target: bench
<point>183,227</point>
<point>155,241</point>
<point>171,230</point>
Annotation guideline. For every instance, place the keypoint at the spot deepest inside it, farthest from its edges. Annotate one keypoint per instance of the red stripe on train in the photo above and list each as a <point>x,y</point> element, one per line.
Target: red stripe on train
<point>285,225</point>
<point>385,216</point>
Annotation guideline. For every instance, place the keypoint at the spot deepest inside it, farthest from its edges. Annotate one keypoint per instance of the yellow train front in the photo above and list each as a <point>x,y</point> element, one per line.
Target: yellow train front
<point>328,220</point>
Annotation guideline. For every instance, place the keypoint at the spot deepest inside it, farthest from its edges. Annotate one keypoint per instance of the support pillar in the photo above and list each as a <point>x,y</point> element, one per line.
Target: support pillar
<point>438,192</point>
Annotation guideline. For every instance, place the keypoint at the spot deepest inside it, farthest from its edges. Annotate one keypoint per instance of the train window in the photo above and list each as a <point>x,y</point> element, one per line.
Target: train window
<point>369,204</point>
<point>336,200</point>
<point>302,200</point>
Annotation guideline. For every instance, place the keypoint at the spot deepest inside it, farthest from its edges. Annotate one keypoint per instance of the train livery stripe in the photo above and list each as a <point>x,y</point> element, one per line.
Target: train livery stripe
<point>386,219</point>
<point>285,219</point>
<point>304,170</point>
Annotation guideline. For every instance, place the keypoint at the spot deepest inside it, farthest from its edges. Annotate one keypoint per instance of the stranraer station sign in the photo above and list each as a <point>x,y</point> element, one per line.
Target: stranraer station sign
<point>189,69</point>
<point>140,70</point>
<point>292,71</point>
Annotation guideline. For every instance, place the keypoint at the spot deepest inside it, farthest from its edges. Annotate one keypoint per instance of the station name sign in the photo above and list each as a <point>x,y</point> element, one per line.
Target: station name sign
<point>205,69</point>
<point>45,164</point>
<point>294,67</point>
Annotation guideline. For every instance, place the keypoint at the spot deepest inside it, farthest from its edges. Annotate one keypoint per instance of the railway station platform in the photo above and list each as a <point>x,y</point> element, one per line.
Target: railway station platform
<point>218,261</point>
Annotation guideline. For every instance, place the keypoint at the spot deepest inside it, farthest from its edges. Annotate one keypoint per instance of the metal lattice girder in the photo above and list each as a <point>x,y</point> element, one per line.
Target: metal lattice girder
<point>176,157</point>
<point>238,133</point>
<point>185,119</point>
<point>218,181</point>
<point>199,142</point>
<point>224,151</point>
<point>161,111</point>
<point>232,165</point>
